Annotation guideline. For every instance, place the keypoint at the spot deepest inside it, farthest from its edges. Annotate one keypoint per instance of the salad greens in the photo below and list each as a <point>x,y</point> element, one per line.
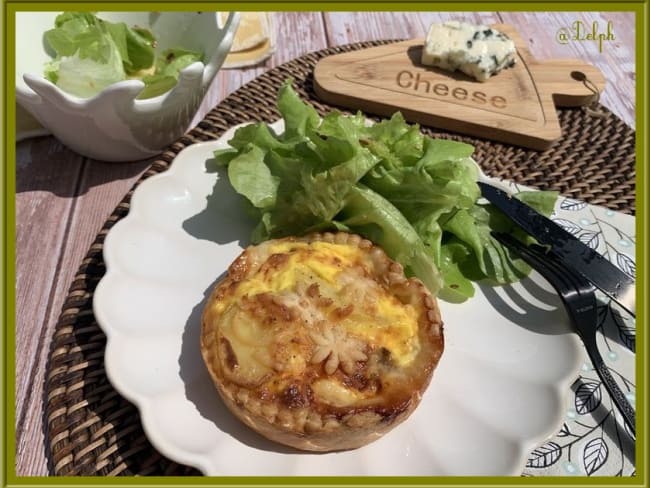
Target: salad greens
<point>413,195</point>
<point>92,54</point>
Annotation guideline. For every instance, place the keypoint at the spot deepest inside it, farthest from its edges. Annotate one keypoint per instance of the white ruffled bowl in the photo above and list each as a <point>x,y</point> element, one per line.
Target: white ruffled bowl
<point>114,125</point>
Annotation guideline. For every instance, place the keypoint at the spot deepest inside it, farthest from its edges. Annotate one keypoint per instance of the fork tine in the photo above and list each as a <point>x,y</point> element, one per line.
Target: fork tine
<point>548,265</point>
<point>539,260</point>
<point>576,293</point>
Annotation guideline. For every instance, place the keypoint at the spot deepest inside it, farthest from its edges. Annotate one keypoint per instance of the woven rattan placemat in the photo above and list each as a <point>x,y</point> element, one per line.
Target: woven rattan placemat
<point>92,430</point>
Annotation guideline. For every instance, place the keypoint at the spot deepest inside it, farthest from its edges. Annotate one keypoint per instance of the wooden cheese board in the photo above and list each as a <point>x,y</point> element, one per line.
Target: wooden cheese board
<point>516,106</point>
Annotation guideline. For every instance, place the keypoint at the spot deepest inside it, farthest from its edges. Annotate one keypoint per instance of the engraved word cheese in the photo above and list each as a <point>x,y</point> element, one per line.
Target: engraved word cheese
<point>516,106</point>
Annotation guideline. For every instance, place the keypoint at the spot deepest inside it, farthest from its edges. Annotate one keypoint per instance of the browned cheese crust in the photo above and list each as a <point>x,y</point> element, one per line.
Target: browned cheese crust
<point>320,342</point>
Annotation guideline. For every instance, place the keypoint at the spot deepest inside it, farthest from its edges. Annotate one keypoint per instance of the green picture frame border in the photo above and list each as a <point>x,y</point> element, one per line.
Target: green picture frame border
<point>7,242</point>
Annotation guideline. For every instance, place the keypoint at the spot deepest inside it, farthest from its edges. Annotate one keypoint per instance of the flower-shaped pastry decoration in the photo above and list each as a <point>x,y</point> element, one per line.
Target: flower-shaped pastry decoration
<point>337,348</point>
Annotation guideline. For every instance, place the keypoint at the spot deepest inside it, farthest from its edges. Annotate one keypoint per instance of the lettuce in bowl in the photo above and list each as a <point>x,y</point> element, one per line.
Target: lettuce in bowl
<point>91,54</point>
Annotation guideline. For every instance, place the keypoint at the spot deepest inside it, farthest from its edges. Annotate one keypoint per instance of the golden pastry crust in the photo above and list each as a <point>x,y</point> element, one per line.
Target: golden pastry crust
<point>320,342</point>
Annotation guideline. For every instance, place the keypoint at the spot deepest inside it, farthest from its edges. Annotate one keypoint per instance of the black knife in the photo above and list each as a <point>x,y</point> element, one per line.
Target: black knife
<point>575,254</point>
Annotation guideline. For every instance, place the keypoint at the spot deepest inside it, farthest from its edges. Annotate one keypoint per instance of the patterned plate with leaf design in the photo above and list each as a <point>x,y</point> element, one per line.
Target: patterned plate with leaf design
<point>506,384</point>
<point>593,439</point>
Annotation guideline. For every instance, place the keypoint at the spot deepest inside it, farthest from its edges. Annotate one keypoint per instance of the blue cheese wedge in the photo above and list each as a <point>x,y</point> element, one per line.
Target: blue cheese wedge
<point>478,51</point>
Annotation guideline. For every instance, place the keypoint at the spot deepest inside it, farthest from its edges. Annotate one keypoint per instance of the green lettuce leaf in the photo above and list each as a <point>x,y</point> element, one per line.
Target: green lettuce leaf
<point>414,196</point>
<point>250,177</point>
<point>168,67</point>
<point>140,44</point>
<point>374,217</point>
<point>91,54</point>
<point>87,76</point>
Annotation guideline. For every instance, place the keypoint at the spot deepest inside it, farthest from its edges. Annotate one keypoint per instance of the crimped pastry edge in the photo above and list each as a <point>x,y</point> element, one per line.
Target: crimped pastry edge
<point>303,428</point>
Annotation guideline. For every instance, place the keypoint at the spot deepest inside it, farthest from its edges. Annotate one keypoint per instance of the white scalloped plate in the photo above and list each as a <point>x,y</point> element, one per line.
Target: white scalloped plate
<point>501,388</point>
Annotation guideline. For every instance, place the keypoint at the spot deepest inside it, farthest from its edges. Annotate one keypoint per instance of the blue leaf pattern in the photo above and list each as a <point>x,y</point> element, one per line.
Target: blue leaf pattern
<point>595,455</point>
<point>626,332</point>
<point>544,456</point>
<point>572,205</point>
<point>626,263</point>
<point>628,336</point>
<point>569,226</point>
<point>588,397</point>
<point>590,238</point>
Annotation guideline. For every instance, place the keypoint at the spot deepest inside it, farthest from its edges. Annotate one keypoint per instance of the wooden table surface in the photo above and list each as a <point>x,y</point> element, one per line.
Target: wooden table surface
<point>62,198</point>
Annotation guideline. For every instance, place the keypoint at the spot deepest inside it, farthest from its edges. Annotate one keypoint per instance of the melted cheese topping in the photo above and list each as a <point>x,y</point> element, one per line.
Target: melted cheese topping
<point>314,310</point>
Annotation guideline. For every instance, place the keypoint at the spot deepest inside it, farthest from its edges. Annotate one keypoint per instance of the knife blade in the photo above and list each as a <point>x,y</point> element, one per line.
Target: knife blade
<point>578,256</point>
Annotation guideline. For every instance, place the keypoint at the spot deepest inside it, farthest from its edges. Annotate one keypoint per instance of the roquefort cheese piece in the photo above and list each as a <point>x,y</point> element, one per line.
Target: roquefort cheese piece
<point>477,50</point>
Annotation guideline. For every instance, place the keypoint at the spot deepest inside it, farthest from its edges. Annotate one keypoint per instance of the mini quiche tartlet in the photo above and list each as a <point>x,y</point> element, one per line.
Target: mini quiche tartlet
<point>320,342</point>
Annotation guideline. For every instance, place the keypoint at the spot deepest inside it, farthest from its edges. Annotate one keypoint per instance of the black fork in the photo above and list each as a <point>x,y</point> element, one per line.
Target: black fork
<point>579,298</point>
